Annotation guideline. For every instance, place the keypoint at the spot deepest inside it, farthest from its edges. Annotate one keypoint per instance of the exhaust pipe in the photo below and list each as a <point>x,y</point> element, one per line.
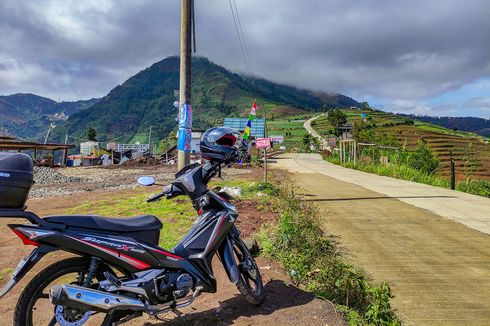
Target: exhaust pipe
<point>89,299</point>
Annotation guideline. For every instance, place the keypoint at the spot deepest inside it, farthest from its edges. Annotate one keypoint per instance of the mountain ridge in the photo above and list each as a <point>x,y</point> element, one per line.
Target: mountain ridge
<point>480,126</point>
<point>26,115</point>
<point>146,99</point>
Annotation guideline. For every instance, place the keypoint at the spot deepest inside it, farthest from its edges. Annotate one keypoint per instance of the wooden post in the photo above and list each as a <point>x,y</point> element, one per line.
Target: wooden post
<point>265,164</point>
<point>453,173</point>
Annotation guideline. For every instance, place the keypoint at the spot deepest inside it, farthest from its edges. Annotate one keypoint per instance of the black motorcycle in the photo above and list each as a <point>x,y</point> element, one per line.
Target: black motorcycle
<point>119,272</point>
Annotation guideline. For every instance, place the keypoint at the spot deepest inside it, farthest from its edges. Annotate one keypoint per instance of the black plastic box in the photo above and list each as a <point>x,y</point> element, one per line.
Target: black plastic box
<point>16,179</point>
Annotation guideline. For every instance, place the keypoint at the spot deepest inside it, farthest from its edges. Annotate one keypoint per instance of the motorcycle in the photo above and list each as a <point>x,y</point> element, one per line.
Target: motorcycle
<point>119,272</point>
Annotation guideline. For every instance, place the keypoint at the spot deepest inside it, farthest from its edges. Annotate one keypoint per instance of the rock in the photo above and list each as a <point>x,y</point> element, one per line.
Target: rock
<point>252,245</point>
<point>233,191</point>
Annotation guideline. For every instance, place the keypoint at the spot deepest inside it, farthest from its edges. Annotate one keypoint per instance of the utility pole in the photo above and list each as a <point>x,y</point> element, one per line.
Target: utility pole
<point>149,141</point>
<point>185,109</point>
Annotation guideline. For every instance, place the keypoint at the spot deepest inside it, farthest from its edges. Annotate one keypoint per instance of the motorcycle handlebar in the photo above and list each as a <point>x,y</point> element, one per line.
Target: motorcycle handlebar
<point>168,192</point>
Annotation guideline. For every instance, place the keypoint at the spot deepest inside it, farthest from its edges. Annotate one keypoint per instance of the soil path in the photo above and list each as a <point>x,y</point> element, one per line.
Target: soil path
<point>284,304</point>
<point>439,269</point>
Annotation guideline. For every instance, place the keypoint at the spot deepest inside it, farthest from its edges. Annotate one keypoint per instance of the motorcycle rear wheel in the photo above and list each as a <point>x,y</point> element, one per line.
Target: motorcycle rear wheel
<point>29,311</point>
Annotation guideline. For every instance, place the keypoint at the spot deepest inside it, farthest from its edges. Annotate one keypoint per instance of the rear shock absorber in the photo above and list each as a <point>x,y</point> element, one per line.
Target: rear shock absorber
<point>94,265</point>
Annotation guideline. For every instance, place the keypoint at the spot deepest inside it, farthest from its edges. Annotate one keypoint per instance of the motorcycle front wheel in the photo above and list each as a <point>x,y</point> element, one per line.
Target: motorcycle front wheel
<point>250,282</point>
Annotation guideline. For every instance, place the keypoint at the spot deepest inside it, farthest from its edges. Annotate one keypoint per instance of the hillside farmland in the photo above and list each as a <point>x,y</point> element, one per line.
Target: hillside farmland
<point>471,152</point>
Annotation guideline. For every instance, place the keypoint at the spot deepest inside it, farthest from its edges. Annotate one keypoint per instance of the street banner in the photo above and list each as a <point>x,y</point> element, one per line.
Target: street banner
<point>263,143</point>
<point>185,123</point>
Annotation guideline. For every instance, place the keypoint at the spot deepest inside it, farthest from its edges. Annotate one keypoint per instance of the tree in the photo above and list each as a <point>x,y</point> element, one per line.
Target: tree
<point>91,134</point>
<point>365,105</point>
<point>337,119</point>
<point>307,140</point>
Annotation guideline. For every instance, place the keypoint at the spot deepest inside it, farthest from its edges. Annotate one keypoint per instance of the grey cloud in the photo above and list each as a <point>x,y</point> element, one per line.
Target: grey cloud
<point>407,50</point>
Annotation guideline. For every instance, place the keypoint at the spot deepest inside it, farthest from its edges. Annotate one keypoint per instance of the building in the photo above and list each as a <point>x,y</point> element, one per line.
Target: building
<point>195,141</point>
<point>257,130</point>
<point>87,148</point>
<point>38,150</point>
<point>140,148</point>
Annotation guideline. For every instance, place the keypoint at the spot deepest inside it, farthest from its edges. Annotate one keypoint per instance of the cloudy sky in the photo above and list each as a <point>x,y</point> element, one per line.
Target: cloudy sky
<point>418,56</point>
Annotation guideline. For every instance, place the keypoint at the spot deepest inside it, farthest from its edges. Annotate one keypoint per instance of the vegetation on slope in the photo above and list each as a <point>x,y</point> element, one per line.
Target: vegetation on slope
<point>28,115</point>
<point>470,152</point>
<point>147,98</point>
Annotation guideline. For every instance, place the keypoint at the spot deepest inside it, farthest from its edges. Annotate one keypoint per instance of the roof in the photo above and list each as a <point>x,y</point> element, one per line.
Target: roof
<point>257,129</point>
<point>9,143</point>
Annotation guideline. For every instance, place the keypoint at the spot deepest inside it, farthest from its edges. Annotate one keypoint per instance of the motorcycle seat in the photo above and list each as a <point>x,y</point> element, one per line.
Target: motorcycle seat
<point>114,224</point>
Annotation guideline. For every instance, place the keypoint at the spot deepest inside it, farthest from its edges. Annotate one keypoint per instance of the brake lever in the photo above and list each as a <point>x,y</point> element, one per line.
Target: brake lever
<point>155,197</point>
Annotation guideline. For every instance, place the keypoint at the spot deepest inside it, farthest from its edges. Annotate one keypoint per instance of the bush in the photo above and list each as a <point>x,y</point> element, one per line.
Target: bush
<point>423,159</point>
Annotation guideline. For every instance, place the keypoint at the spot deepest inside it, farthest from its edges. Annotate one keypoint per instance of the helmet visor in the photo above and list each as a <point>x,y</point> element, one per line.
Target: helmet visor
<point>224,136</point>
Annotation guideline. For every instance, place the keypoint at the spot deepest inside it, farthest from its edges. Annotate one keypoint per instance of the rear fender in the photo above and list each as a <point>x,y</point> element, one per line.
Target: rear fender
<point>24,266</point>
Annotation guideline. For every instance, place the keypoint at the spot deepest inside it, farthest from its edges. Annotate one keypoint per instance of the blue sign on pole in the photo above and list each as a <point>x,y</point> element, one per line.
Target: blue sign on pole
<point>185,124</point>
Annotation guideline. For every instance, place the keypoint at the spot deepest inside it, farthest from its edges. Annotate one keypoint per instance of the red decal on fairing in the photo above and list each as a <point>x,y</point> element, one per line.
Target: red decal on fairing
<point>166,253</point>
<point>133,261</point>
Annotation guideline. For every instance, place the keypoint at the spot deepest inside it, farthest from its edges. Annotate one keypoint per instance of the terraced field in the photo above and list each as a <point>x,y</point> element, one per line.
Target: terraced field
<point>291,129</point>
<point>470,152</point>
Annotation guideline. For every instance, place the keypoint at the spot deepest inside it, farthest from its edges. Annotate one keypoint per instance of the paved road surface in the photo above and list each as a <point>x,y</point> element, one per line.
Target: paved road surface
<point>311,131</point>
<point>432,245</point>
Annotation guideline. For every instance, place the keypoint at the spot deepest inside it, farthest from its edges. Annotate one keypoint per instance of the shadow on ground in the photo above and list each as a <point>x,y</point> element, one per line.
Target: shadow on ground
<point>279,296</point>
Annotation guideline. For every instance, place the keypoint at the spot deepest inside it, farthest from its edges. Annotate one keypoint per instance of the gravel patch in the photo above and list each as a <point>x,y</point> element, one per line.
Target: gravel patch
<point>58,182</point>
<point>48,176</point>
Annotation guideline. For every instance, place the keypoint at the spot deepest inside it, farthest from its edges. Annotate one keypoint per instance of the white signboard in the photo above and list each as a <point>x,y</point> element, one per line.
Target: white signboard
<point>277,139</point>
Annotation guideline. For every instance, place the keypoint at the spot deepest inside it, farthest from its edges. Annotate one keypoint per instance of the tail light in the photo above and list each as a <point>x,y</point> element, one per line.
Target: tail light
<point>28,235</point>
<point>25,238</point>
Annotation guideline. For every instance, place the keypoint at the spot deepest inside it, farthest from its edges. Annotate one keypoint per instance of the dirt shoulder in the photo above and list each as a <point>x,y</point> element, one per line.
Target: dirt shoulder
<point>438,269</point>
<point>284,303</point>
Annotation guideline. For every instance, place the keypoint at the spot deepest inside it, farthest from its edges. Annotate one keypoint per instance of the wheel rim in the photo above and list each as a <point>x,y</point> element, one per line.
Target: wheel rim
<point>42,312</point>
<point>247,267</point>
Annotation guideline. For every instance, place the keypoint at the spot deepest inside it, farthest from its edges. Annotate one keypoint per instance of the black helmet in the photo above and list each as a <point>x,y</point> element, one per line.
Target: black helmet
<point>220,144</point>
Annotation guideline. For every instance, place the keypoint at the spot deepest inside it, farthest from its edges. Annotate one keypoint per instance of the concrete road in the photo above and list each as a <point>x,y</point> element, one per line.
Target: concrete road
<point>311,131</point>
<point>432,245</point>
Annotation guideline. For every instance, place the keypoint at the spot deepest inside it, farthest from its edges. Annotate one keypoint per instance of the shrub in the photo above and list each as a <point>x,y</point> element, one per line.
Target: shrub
<point>423,159</point>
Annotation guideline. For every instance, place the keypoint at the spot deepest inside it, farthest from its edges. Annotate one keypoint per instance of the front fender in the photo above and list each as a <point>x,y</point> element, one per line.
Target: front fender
<point>24,266</point>
<point>228,260</point>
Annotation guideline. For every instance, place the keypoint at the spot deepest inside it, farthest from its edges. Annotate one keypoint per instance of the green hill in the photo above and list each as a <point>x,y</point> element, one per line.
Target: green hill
<point>470,151</point>
<point>28,115</point>
<point>147,98</point>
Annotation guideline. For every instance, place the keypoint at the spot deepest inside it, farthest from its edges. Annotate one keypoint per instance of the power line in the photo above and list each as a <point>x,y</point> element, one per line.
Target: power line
<point>247,68</point>
<point>244,41</point>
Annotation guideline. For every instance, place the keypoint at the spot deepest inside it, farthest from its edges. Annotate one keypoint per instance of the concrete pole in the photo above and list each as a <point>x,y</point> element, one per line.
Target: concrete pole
<point>185,92</point>
<point>149,141</point>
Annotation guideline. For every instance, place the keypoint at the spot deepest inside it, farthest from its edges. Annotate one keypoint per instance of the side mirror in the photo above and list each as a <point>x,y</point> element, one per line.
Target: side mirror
<point>146,181</point>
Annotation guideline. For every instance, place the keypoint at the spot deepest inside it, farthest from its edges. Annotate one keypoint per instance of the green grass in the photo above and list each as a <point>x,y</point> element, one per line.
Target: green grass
<point>475,187</point>
<point>5,272</point>
<point>292,125</point>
